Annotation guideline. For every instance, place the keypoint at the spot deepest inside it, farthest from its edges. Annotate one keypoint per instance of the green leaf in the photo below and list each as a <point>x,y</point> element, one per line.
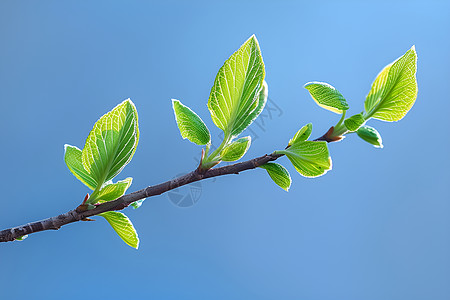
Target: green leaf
<point>279,175</point>
<point>394,91</point>
<point>310,159</point>
<point>236,149</point>
<point>263,95</point>
<point>112,142</point>
<point>327,96</point>
<point>235,99</point>
<point>123,227</point>
<point>354,122</point>
<point>370,135</point>
<point>190,124</point>
<point>21,238</point>
<point>302,135</point>
<point>137,204</point>
<point>113,191</point>
<point>72,157</point>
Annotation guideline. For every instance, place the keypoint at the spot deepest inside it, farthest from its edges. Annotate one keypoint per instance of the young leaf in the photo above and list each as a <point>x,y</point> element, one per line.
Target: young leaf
<point>354,122</point>
<point>137,204</point>
<point>279,175</point>
<point>113,191</point>
<point>327,96</point>
<point>235,96</point>
<point>310,159</point>
<point>370,135</point>
<point>236,149</point>
<point>302,135</point>
<point>72,157</point>
<point>123,227</point>
<point>263,94</point>
<point>190,124</point>
<point>21,238</point>
<point>394,91</point>
<point>112,142</point>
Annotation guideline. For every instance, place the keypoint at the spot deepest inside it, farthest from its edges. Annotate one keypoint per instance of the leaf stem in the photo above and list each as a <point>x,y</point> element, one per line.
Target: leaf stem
<point>340,129</point>
<point>341,120</point>
<point>216,153</point>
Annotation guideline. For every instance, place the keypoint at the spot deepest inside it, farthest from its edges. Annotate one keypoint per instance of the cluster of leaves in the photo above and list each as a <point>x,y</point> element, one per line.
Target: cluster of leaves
<point>239,94</point>
<point>237,97</point>
<point>109,148</point>
<point>392,95</point>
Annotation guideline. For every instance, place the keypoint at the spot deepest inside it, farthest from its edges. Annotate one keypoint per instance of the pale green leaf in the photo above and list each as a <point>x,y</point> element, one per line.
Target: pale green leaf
<point>21,238</point>
<point>123,227</point>
<point>137,204</point>
<point>394,91</point>
<point>354,122</point>
<point>235,98</point>
<point>190,124</point>
<point>263,95</point>
<point>279,175</point>
<point>327,96</point>
<point>236,149</point>
<point>310,159</point>
<point>72,157</point>
<point>113,191</point>
<point>302,135</point>
<point>370,135</point>
<point>112,142</point>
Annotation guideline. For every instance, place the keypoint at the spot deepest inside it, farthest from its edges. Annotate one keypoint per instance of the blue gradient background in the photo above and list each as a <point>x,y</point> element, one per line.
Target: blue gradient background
<point>376,227</point>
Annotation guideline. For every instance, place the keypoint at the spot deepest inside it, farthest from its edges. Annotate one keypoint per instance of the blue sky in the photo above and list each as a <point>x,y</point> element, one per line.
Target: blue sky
<point>375,227</point>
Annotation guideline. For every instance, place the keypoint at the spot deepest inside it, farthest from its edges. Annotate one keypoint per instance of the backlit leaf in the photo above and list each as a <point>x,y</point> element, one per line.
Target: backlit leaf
<point>72,157</point>
<point>327,96</point>
<point>279,175</point>
<point>310,159</point>
<point>236,149</point>
<point>123,227</point>
<point>190,124</point>
<point>235,99</point>
<point>354,122</point>
<point>112,142</point>
<point>394,91</point>
<point>302,135</point>
<point>114,190</point>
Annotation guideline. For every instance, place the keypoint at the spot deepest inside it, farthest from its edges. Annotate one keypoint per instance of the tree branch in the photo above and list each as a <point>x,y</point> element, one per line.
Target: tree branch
<point>81,213</point>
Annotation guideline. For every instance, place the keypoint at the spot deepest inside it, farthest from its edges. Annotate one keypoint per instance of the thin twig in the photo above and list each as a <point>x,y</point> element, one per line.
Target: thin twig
<point>80,213</point>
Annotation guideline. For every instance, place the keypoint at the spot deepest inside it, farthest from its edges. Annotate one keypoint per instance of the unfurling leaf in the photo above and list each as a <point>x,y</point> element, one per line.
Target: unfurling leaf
<point>370,135</point>
<point>190,124</point>
<point>327,96</point>
<point>394,91</point>
<point>279,175</point>
<point>237,96</point>
<point>310,159</point>
<point>72,157</point>
<point>112,142</point>
<point>123,227</point>
<point>302,135</point>
<point>236,149</point>
<point>114,190</point>
<point>354,122</point>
